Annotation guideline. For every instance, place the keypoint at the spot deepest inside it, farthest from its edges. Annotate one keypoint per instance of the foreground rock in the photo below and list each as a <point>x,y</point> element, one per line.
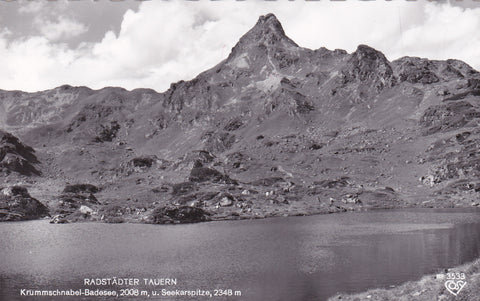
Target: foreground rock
<point>16,204</point>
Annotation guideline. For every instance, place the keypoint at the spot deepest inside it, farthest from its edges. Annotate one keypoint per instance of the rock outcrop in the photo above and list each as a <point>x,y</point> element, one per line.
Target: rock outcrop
<point>16,156</point>
<point>16,204</point>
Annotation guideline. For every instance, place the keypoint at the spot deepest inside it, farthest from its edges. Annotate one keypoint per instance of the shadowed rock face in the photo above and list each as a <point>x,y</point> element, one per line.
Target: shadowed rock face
<point>280,128</point>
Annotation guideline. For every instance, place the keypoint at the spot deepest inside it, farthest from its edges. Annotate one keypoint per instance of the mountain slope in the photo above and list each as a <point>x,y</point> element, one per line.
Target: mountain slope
<point>273,129</point>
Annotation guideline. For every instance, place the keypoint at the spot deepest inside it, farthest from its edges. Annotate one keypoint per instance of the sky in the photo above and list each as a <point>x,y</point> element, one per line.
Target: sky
<point>150,44</point>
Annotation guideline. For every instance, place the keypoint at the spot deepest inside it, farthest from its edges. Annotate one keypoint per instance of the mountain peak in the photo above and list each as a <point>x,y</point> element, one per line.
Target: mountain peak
<point>267,32</point>
<point>271,23</point>
<point>367,52</point>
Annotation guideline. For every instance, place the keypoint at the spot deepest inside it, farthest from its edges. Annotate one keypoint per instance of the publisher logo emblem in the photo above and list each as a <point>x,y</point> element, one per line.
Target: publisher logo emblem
<point>455,286</point>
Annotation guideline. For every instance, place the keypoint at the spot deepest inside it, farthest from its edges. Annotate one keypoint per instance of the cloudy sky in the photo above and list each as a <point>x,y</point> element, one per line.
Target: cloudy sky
<point>44,44</point>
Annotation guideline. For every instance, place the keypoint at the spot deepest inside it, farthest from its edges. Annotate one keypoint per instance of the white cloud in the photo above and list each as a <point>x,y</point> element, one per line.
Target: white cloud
<point>448,32</point>
<point>62,28</point>
<point>32,7</point>
<point>166,41</point>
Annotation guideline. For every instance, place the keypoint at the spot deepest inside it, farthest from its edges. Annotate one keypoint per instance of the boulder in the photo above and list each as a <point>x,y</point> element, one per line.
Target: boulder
<point>58,219</point>
<point>85,210</point>
<point>226,202</point>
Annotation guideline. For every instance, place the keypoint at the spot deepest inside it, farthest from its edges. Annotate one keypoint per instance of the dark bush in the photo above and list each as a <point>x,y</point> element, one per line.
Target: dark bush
<point>143,162</point>
<point>79,188</point>
<point>184,214</point>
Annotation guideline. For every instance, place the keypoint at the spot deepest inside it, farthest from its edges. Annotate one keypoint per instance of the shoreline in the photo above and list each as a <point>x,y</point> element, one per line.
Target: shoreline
<point>428,287</point>
<point>260,213</point>
<point>231,216</point>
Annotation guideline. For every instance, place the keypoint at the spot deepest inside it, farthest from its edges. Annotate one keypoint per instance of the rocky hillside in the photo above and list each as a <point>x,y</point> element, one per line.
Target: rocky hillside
<point>274,129</point>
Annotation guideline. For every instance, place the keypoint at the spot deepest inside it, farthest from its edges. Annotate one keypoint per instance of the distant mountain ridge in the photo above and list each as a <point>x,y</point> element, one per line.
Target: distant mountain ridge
<point>337,131</point>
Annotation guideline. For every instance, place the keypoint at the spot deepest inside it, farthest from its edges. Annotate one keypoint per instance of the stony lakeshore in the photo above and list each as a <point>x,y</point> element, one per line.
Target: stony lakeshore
<point>428,288</point>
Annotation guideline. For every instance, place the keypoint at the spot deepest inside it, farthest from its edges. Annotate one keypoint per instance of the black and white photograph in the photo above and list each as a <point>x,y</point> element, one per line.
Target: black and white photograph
<point>239,150</point>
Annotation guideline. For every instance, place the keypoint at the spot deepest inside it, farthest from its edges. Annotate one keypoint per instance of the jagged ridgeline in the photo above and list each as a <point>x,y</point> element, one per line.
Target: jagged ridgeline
<point>274,129</point>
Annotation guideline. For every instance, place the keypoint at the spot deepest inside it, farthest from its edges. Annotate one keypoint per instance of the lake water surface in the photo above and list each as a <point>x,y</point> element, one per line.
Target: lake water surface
<point>294,258</point>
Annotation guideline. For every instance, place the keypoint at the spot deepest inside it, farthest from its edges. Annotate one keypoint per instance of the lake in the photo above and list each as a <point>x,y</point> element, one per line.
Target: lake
<point>292,258</point>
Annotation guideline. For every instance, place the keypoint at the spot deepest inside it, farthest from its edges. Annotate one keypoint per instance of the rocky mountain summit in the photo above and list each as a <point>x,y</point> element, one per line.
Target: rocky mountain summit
<point>275,129</point>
